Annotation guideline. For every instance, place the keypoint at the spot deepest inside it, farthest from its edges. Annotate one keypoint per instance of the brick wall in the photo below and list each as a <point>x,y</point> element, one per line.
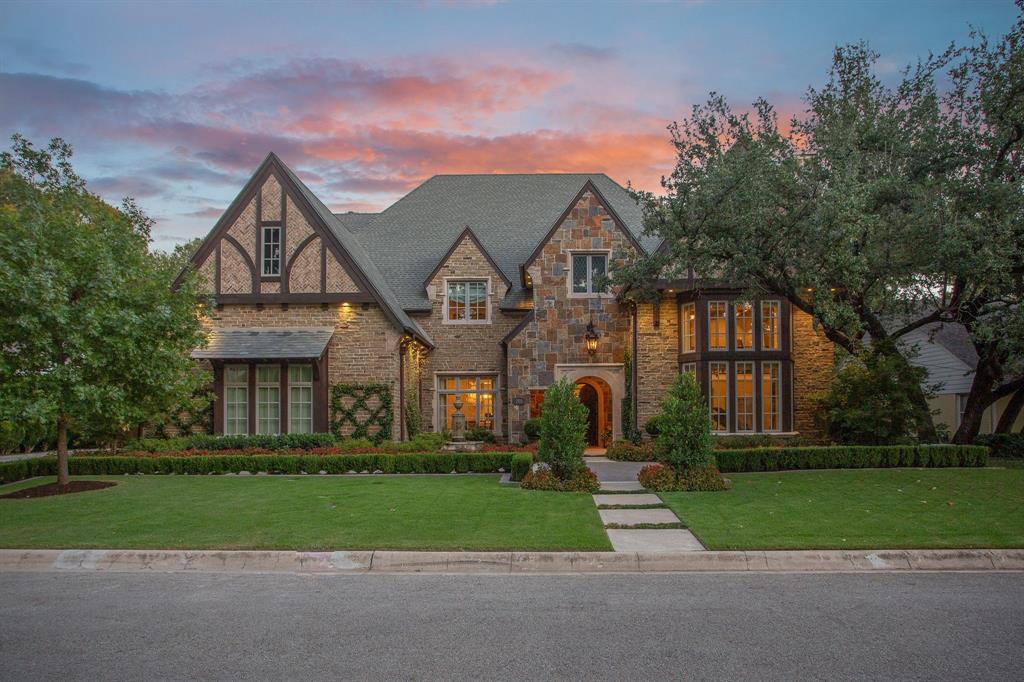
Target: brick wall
<point>464,347</point>
<point>656,357</point>
<point>813,359</point>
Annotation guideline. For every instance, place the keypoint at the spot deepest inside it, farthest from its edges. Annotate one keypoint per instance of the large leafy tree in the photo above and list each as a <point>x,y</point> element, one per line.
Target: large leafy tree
<point>92,337</point>
<point>879,210</point>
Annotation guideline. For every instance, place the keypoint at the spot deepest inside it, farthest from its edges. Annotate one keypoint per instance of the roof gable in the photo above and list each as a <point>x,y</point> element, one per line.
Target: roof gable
<point>466,234</point>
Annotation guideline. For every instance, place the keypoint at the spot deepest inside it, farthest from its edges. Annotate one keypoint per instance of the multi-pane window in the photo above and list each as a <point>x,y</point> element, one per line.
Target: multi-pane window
<point>718,325</point>
<point>744,396</point>
<point>690,368</point>
<point>268,399</point>
<point>588,273</point>
<point>771,396</point>
<point>300,399</point>
<point>236,400</point>
<point>467,301</point>
<point>718,383</point>
<point>271,251</point>
<point>770,339</point>
<point>744,334</point>
<point>689,327</point>
<point>478,396</point>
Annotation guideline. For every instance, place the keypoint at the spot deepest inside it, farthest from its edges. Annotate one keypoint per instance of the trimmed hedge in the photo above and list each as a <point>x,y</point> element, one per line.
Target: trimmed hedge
<point>521,463</point>
<point>851,457</point>
<point>440,463</point>
<point>288,441</point>
<point>626,451</point>
<point>1008,445</point>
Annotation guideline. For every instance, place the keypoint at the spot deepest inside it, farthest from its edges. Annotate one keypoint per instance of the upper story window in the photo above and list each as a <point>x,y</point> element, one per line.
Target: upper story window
<point>744,316</point>
<point>271,251</point>
<point>588,271</point>
<point>689,328</point>
<point>718,326</point>
<point>466,301</point>
<point>770,339</point>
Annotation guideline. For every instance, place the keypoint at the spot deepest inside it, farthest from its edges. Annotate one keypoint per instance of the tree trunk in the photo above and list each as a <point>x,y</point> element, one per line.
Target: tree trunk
<point>63,480</point>
<point>978,400</point>
<point>1012,411</point>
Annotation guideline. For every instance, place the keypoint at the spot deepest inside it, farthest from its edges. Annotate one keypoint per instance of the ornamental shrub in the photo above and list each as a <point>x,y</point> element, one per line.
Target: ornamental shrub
<point>520,465</point>
<point>542,478</point>
<point>651,426</point>
<point>480,433</point>
<point>626,451</point>
<point>684,426</point>
<point>1009,445</point>
<point>563,430</point>
<point>531,427</point>
<point>661,478</point>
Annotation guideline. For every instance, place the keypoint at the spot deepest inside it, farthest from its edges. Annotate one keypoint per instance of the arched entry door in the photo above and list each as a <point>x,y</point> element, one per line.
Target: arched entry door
<point>588,396</point>
<point>596,396</point>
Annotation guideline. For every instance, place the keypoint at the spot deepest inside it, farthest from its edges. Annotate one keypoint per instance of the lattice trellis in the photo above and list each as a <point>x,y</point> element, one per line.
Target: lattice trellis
<point>184,421</point>
<point>357,408</point>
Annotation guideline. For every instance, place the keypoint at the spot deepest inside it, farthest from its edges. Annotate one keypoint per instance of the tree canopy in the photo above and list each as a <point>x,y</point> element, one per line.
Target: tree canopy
<point>93,338</point>
<point>880,209</point>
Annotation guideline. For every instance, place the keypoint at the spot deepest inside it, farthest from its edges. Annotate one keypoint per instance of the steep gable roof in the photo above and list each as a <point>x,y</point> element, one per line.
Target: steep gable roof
<point>509,215</point>
<point>465,234</point>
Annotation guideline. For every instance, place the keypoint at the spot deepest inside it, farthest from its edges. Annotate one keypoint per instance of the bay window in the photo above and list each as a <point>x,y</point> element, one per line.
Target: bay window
<point>770,339</point>
<point>718,327</point>
<point>771,396</point>
<point>268,399</point>
<point>718,383</point>
<point>744,396</point>
<point>689,327</point>
<point>236,400</point>
<point>744,325</point>
<point>300,399</point>
<point>479,398</point>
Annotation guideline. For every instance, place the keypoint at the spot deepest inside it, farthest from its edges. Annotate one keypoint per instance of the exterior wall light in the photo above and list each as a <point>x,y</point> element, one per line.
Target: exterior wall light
<point>591,338</point>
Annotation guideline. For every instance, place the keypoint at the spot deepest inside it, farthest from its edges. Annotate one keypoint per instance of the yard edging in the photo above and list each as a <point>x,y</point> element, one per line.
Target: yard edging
<point>380,561</point>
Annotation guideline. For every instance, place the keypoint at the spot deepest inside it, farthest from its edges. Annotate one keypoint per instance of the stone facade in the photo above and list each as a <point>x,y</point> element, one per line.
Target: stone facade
<point>656,356</point>
<point>556,334</point>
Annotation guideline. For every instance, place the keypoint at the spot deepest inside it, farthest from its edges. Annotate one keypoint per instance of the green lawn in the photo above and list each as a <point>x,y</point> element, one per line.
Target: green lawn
<point>879,508</point>
<point>304,512</point>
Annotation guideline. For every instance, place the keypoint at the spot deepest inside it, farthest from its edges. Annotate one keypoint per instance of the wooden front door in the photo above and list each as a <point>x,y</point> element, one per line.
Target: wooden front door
<point>588,396</point>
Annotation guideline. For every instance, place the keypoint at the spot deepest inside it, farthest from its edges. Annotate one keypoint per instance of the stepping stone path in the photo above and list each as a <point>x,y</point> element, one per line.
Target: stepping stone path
<point>640,539</point>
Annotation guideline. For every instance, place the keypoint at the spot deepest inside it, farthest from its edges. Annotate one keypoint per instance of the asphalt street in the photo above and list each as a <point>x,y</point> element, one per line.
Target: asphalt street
<point>155,626</point>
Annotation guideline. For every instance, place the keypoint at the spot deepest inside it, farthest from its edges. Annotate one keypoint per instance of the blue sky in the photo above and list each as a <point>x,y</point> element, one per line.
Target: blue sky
<point>176,103</point>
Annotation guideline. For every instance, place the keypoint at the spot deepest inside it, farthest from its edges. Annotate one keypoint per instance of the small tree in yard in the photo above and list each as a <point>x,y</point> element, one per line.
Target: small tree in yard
<point>684,435</point>
<point>563,430</point>
<point>92,336</point>
<point>683,442</point>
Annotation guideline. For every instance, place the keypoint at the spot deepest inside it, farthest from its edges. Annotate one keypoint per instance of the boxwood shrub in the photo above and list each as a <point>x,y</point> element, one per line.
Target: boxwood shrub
<point>851,457</point>
<point>405,463</point>
<point>520,464</point>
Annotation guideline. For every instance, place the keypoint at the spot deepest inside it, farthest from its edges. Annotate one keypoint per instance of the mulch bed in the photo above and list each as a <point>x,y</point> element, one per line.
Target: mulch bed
<point>48,489</point>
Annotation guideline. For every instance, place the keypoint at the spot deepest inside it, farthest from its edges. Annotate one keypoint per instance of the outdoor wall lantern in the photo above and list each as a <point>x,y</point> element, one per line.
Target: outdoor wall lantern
<point>591,338</point>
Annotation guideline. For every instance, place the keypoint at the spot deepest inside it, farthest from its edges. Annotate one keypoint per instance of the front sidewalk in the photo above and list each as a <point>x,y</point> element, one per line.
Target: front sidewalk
<point>380,561</point>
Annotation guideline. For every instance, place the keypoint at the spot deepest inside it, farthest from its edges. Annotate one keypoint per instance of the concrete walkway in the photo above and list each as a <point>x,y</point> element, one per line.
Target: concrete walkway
<point>629,519</point>
<point>212,561</point>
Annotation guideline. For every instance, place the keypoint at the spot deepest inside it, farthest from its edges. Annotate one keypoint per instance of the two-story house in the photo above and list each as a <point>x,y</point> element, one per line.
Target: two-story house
<point>480,290</point>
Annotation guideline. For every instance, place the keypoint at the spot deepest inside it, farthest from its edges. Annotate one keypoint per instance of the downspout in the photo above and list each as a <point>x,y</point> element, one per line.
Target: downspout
<point>401,389</point>
<point>634,371</point>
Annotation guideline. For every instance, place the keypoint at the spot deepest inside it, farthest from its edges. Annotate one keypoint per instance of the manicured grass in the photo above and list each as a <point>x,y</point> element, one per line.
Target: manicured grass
<point>304,512</point>
<point>878,508</point>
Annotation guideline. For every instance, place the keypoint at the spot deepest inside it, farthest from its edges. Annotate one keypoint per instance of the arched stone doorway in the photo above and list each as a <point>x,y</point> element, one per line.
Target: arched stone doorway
<point>608,381</point>
<point>596,396</point>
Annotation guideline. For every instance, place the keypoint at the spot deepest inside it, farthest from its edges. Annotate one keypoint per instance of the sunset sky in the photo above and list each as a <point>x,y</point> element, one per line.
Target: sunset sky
<point>175,104</point>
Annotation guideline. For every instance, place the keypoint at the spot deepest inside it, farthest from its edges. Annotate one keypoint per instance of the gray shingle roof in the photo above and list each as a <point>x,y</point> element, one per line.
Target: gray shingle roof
<point>509,213</point>
<point>265,344</point>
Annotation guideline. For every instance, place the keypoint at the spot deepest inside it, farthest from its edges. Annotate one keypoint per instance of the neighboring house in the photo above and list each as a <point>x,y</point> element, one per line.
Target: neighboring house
<point>946,351</point>
<point>482,288</point>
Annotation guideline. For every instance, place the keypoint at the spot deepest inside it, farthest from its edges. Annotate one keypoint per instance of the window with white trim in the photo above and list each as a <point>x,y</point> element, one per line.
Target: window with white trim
<point>690,368</point>
<point>236,400</point>
<point>300,398</point>
<point>743,314</point>
<point>718,383</point>
<point>588,271</point>
<point>271,251</point>
<point>689,328</point>
<point>268,399</point>
<point>718,325</point>
<point>771,396</point>
<point>744,396</point>
<point>466,301</point>
<point>478,395</point>
<point>770,339</point>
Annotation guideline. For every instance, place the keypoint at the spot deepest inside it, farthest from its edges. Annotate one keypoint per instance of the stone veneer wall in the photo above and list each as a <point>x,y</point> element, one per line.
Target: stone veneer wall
<point>813,360</point>
<point>656,356</point>
<point>461,347</point>
<point>555,336</point>
<point>364,348</point>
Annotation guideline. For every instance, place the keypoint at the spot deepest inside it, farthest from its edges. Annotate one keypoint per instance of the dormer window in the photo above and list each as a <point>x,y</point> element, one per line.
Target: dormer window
<point>271,251</point>
<point>588,273</point>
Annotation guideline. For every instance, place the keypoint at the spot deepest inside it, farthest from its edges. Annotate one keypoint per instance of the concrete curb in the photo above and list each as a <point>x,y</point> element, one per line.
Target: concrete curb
<point>521,563</point>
